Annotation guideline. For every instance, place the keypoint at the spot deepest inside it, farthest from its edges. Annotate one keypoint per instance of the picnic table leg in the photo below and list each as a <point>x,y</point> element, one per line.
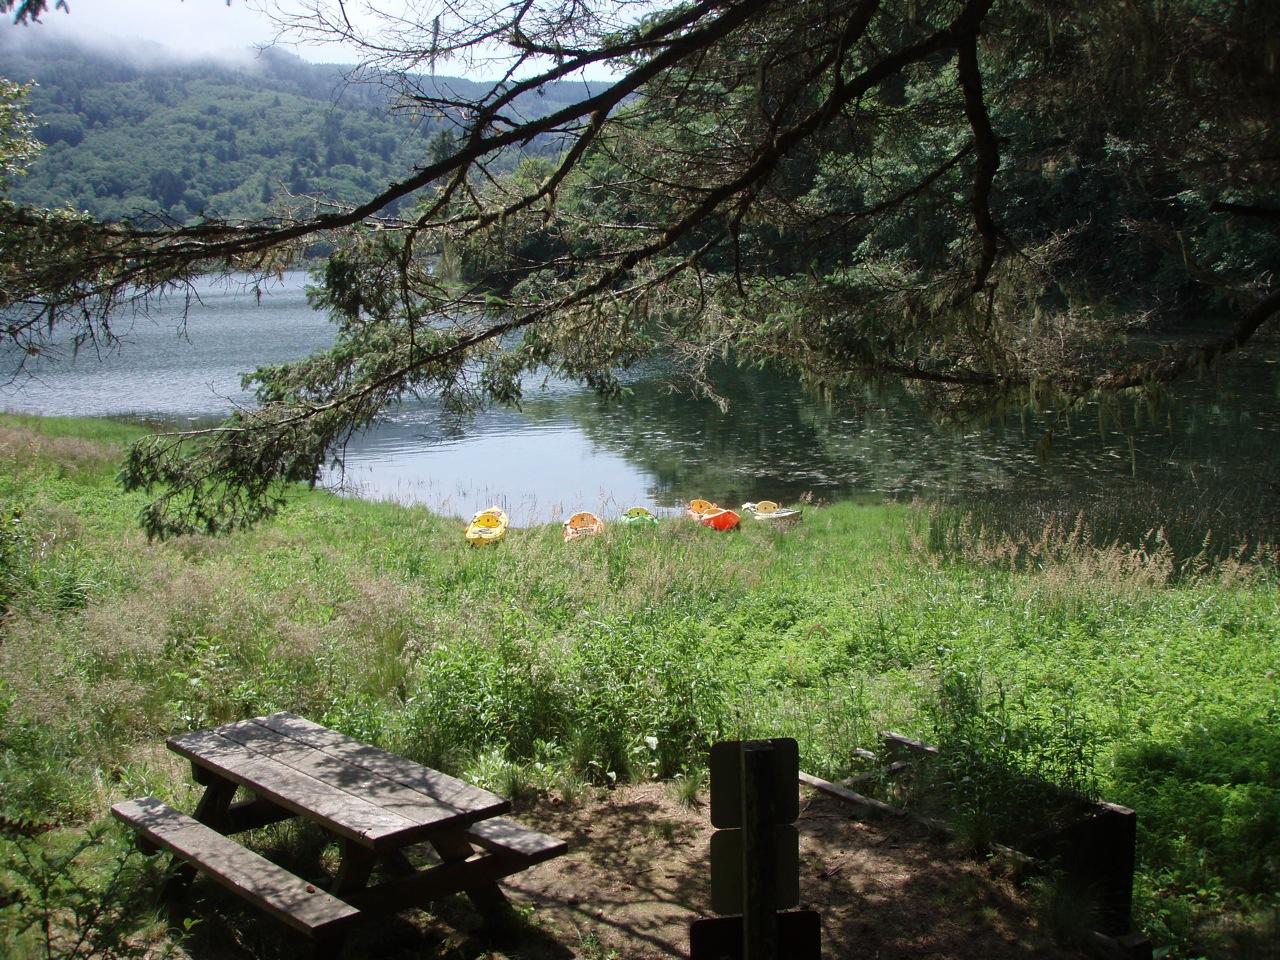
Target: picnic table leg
<point>487,897</point>
<point>353,873</point>
<point>215,802</point>
<point>211,811</point>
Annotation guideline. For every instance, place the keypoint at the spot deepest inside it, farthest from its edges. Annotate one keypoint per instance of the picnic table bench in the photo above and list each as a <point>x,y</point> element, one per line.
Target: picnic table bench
<point>374,803</point>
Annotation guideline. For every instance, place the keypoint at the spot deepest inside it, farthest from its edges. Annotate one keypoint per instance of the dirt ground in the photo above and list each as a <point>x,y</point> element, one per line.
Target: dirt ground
<point>637,873</point>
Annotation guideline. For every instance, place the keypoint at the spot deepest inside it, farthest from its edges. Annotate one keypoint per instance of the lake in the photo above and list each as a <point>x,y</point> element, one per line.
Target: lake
<point>566,449</point>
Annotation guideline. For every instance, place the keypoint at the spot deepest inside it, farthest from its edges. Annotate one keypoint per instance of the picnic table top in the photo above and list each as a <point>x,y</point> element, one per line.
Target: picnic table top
<point>355,790</point>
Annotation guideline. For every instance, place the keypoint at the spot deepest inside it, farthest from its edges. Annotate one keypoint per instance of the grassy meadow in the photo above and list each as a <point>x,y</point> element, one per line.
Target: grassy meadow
<point>540,666</point>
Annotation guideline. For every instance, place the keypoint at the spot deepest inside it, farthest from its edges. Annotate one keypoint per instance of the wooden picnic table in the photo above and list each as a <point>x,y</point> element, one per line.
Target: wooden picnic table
<point>374,803</point>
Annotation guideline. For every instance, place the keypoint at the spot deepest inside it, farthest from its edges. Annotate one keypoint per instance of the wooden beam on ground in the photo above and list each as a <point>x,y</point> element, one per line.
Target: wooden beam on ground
<point>898,742</point>
<point>844,793</point>
<point>888,771</point>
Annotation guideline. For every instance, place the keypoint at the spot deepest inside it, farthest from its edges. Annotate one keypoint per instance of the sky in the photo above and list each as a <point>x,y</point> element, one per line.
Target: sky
<point>207,28</point>
<point>191,26</point>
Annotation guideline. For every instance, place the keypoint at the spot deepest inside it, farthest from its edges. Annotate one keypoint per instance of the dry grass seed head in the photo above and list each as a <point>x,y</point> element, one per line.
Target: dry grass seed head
<point>379,624</point>
<point>26,448</point>
<point>40,673</point>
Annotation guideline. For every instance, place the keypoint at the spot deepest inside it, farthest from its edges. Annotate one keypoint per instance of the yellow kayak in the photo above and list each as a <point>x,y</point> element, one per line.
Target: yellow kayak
<point>582,524</point>
<point>701,508</point>
<point>487,526</point>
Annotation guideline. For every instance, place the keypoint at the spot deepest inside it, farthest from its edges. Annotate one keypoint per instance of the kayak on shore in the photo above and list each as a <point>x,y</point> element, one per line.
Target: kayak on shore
<point>638,517</point>
<point>487,526</point>
<point>712,515</point>
<point>582,524</point>
<point>771,512</point>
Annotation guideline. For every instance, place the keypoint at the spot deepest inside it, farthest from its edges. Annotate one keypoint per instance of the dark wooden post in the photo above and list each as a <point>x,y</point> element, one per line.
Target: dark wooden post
<point>755,858</point>
<point>759,853</point>
<point>1114,855</point>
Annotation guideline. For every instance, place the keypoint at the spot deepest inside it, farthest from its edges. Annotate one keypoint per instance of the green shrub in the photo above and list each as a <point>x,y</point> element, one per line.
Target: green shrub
<point>77,897</point>
<point>12,548</point>
<point>1212,800</point>
<point>644,699</point>
<point>42,770</point>
<point>466,699</point>
<point>1006,769</point>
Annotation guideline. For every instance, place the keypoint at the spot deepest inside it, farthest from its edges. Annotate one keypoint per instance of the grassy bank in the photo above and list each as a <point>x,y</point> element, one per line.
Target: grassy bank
<point>538,665</point>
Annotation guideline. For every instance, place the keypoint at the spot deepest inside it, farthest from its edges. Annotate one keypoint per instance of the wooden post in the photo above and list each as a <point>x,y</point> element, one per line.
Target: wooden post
<point>759,855</point>
<point>1110,854</point>
<point>755,858</point>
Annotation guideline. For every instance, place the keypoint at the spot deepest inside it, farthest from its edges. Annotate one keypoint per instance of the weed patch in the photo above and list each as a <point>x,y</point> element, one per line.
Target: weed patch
<point>1049,651</point>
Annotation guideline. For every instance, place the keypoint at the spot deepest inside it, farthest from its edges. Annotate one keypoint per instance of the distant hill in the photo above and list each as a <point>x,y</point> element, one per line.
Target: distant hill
<point>142,133</point>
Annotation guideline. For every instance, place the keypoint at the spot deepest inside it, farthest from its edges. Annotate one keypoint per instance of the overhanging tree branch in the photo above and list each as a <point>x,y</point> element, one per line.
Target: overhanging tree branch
<point>786,178</point>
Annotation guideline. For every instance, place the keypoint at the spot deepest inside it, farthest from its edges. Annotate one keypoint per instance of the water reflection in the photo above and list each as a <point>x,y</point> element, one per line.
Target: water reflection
<point>567,449</point>
<point>536,471</point>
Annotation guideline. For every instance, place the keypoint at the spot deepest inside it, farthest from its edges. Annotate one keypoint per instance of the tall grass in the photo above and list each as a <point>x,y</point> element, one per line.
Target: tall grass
<point>1131,528</point>
<point>536,665</point>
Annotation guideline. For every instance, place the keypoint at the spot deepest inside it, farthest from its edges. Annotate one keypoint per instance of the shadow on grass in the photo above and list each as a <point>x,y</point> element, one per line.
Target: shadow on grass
<point>1209,804</point>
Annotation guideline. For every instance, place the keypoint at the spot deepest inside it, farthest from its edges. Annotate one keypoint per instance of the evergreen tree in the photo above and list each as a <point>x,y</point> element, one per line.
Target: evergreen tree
<point>984,199</point>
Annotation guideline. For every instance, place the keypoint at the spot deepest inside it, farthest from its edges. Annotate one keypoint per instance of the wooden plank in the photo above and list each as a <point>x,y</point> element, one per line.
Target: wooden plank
<point>896,767</point>
<point>726,764</point>
<point>441,787</point>
<point>457,876</point>
<point>344,814</point>
<point>836,790</point>
<point>1098,851</point>
<point>272,888</point>
<point>502,834</point>
<point>898,741</point>
<point>338,772</point>
<point>758,783</point>
<point>1133,946</point>
<point>729,869</point>
<point>252,814</point>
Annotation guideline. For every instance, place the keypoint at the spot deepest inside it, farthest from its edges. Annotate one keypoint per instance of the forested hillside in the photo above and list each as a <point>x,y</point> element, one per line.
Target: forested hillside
<point>128,136</point>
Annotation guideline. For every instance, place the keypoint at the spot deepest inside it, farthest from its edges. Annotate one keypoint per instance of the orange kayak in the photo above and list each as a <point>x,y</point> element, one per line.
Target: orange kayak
<point>712,515</point>
<point>582,525</point>
<point>719,520</point>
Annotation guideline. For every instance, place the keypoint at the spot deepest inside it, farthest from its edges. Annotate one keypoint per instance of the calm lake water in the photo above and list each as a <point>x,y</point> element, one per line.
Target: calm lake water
<point>566,449</point>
